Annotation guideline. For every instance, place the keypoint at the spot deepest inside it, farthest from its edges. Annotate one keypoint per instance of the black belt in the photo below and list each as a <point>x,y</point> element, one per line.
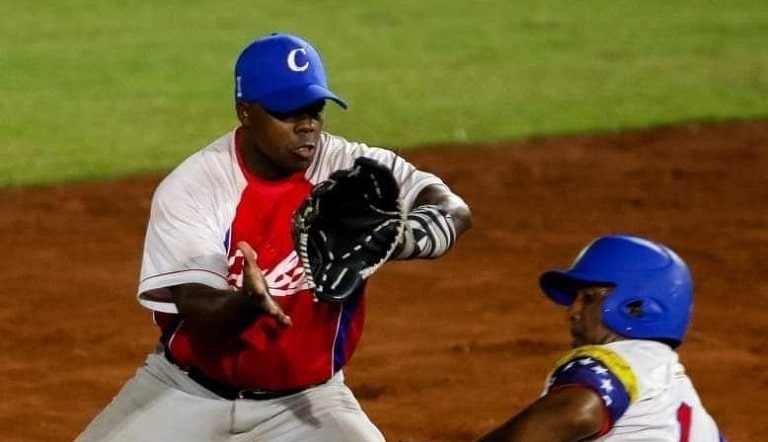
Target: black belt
<point>231,392</point>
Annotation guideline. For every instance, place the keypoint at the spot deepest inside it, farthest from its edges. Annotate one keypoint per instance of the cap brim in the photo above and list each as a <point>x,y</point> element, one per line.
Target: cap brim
<point>561,287</point>
<point>288,100</point>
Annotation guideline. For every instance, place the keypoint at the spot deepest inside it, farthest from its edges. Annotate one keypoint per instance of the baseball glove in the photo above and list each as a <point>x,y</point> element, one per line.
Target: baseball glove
<point>347,227</point>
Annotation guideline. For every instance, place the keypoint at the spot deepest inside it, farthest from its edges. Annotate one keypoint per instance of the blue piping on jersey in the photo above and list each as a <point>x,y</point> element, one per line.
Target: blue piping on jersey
<point>348,311</point>
<point>168,332</point>
<point>227,239</point>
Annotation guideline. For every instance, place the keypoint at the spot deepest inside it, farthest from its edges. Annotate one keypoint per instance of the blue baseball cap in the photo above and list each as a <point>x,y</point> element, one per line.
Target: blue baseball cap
<point>282,73</point>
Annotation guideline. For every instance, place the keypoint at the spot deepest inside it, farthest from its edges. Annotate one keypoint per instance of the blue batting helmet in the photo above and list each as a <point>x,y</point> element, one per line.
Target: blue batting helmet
<point>652,294</point>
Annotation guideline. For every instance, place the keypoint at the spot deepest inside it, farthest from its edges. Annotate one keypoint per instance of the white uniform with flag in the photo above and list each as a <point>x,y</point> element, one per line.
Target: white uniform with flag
<point>644,387</point>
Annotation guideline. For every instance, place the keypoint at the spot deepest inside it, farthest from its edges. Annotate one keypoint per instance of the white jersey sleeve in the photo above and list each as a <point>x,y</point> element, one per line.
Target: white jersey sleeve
<point>645,391</point>
<point>187,234</point>
<point>337,153</point>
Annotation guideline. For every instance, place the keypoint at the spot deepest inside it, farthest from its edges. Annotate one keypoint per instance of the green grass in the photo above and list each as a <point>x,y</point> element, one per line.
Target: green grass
<point>93,89</point>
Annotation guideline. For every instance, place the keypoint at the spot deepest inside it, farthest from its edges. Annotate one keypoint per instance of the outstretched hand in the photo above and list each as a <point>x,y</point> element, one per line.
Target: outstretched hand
<point>255,284</point>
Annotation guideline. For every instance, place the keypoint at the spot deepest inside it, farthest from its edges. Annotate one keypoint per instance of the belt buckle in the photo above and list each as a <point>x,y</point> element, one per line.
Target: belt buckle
<point>263,395</point>
<point>256,394</point>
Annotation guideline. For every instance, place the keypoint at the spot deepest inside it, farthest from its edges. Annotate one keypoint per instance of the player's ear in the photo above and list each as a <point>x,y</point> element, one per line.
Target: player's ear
<point>243,113</point>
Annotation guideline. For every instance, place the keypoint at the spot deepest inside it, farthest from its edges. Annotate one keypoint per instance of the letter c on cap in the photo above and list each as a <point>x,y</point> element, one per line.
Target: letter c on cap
<point>292,60</point>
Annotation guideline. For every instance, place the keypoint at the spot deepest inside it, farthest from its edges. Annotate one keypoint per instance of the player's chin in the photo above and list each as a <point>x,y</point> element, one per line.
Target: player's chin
<point>302,164</point>
<point>577,340</point>
<point>301,158</point>
<point>295,163</point>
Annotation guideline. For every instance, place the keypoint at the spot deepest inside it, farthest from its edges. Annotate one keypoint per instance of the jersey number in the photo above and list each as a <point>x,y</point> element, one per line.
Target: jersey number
<point>684,418</point>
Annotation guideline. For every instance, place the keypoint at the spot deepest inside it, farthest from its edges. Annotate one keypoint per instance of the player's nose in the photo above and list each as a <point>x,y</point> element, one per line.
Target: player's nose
<point>574,310</point>
<point>307,123</point>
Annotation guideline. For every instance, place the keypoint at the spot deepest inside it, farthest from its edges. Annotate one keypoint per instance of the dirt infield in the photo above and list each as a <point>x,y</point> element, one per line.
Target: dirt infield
<point>452,346</point>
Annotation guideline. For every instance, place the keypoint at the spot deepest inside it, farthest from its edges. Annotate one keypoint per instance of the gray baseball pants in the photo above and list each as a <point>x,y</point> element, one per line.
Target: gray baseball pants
<point>161,404</point>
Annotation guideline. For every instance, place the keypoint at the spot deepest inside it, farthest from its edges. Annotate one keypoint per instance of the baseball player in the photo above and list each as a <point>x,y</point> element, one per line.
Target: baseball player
<point>246,352</point>
<point>629,302</point>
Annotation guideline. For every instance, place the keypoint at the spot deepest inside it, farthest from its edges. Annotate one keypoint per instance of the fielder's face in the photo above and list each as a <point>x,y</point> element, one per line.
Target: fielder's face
<point>281,143</point>
<point>585,316</point>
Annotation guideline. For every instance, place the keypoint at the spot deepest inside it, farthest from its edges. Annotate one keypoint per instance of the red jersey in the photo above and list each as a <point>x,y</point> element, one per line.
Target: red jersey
<point>208,204</point>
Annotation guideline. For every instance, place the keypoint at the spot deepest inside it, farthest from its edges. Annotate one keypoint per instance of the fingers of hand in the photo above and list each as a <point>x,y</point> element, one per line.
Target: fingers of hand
<point>273,309</point>
<point>248,252</point>
<point>253,278</point>
<point>256,284</point>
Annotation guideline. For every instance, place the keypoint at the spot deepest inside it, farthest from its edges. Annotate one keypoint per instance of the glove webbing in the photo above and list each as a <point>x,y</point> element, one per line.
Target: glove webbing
<point>429,233</point>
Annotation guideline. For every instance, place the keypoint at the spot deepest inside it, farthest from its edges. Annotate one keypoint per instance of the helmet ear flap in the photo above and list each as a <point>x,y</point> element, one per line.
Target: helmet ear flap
<point>634,308</point>
<point>643,309</point>
<point>638,317</point>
